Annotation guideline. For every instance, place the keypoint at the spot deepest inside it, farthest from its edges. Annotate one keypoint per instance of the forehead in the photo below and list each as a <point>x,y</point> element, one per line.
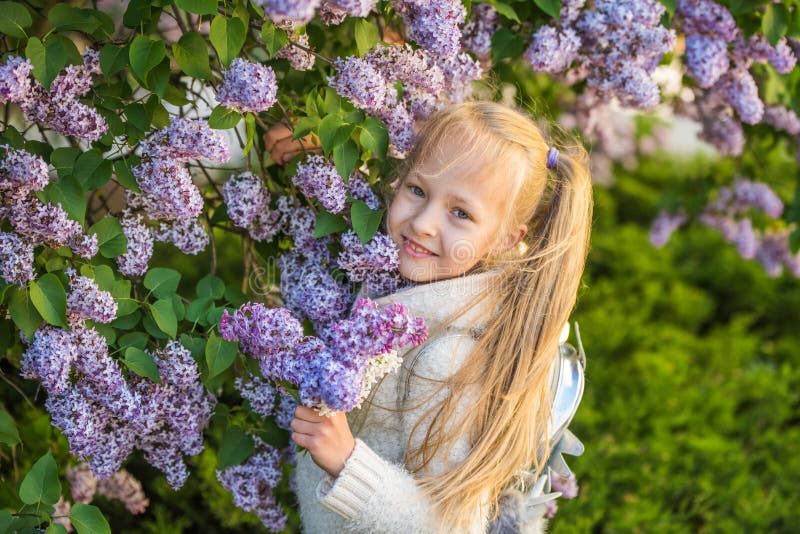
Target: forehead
<point>466,172</point>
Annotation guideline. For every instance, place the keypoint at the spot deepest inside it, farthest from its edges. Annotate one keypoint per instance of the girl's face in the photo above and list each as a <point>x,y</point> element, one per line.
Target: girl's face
<point>444,225</point>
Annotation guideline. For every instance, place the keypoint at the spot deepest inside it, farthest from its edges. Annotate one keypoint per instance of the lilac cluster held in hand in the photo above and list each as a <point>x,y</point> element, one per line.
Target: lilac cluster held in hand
<point>330,375</point>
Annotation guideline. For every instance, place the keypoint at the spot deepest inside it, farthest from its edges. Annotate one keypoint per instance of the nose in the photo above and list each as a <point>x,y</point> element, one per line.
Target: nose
<point>425,221</point>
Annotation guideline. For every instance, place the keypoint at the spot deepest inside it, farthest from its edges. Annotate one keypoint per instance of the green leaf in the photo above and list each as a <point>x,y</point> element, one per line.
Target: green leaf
<point>274,38</point>
<point>88,519</point>
<point>345,157</point>
<point>227,36</point>
<point>41,484</point>
<point>375,137</point>
<point>110,238</point>
<point>5,520</point>
<point>506,43</point>
<point>50,299</point>
<point>14,20</point>
<point>195,345</point>
<point>507,11</point>
<point>141,363</point>
<point>113,59</point>
<point>162,282</point>
<point>328,223</point>
<point>164,317</point>
<point>70,194</point>
<point>365,221</point>
<point>219,354</point>
<point>63,159</point>
<point>200,7</point>
<point>197,309</point>
<point>49,58</point>
<point>122,171</point>
<point>551,7</point>
<point>333,131</point>
<point>222,118</point>
<point>191,54</point>
<point>133,339</point>
<point>145,54</point>
<point>55,528</point>
<point>92,169</point>
<point>235,448</point>
<point>158,78</point>
<point>366,35</point>
<point>775,22</point>
<point>137,13</point>
<point>8,430</point>
<point>210,286</point>
<point>22,310</point>
<point>66,18</point>
<point>250,130</point>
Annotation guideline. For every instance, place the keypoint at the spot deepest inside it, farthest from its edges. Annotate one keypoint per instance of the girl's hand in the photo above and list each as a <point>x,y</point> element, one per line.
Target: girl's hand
<point>328,439</point>
<point>281,147</point>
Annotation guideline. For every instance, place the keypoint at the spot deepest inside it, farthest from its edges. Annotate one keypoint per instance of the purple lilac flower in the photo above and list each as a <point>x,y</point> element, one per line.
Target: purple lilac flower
<point>176,365</point>
<point>664,225</point>
<point>706,58</point>
<point>477,33</point>
<point>40,223</point>
<point>361,83</point>
<point>16,259</point>
<point>772,251</point>
<point>15,81</point>
<point>140,246</point>
<point>298,11</point>
<point>553,50</point>
<point>86,301</point>
<point>261,331</point>
<point>354,8</point>
<point>459,71</point>
<point>168,191</point>
<point>434,25</point>
<point>331,14</point>
<point>400,124</point>
<point>707,17</point>
<point>83,484</point>
<point>248,86</point>
<point>188,235</point>
<point>123,486</point>
<point>76,80</point>
<point>259,393</point>
<point>252,484</point>
<point>245,197</point>
<point>265,226</point>
<point>361,190</point>
<point>414,68</point>
<point>568,486</point>
<point>310,290</point>
<point>783,119</point>
<point>750,194</point>
<point>85,246</point>
<point>284,413</point>
<point>298,58</point>
<point>318,178</point>
<point>49,358</point>
<point>741,92</point>
<point>298,222</point>
<point>360,261</point>
<point>21,172</point>
<point>186,139</point>
<point>747,240</point>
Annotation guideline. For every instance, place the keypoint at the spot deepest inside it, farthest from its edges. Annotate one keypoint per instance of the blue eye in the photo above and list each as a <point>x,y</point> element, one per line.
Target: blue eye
<point>465,217</point>
<point>414,190</point>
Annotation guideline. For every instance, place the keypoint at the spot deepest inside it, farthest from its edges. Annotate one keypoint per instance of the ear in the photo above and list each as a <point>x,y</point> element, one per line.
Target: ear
<point>514,237</point>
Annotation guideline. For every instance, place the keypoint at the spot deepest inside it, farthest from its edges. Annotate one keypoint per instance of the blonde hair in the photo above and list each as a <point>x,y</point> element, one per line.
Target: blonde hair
<point>533,296</point>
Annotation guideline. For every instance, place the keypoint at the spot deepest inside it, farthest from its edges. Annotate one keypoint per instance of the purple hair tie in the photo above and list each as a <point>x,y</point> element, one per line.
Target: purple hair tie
<point>552,158</point>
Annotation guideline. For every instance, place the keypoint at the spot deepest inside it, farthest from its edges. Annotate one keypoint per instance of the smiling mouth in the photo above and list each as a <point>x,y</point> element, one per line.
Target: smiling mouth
<point>415,247</point>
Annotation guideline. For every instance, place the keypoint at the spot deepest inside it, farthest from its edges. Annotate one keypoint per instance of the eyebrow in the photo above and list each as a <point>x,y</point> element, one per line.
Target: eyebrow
<point>468,203</point>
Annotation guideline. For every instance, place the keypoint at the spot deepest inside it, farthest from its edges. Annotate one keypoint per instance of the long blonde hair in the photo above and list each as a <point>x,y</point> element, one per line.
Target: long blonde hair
<point>533,297</point>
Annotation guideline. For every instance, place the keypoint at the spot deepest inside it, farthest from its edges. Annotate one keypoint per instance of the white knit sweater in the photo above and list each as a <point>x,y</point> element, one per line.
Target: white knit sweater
<point>375,493</point>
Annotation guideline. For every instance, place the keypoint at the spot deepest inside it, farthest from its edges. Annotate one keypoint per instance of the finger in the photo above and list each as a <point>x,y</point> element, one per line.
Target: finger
<point>303,440</point>
<point>303,427</point>
<point>275,134</point>
<point>307,414</point>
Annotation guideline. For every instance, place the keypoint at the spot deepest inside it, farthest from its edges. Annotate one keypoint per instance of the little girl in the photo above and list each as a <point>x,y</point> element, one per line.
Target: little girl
<point>492,222</point>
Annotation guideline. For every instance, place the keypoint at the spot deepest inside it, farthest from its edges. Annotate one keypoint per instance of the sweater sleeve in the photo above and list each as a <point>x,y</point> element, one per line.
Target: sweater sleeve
<point>375,495</point>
